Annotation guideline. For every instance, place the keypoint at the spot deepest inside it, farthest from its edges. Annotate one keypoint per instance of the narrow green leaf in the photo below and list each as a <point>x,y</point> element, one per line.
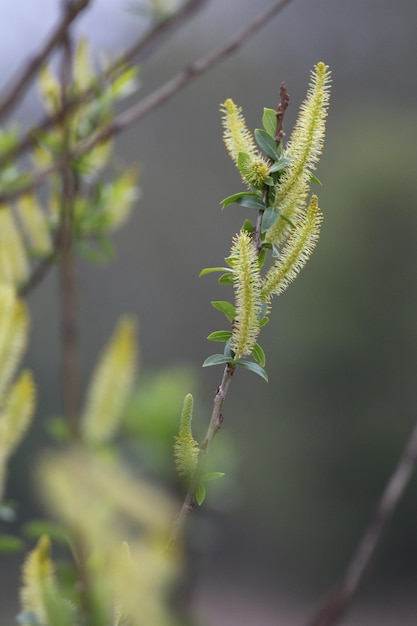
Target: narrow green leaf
<point>254,367</point>
<point>237,196</point>
<point>216,359</point>
<point>226,279</point>
<point>226,307</point>
<point>267,143</point>
<point>246,199</point>
<point>264,321</point>
<point>270,217</point>
<point>269,121</point>
<point>37,528</point>
<point>200,494</point>
<point>279,165</point>
<point>220,335</point>
<point>314,179</point>
<point>248,226</point>
<point>9,543</point>
<point>212,476</point>
<point>210,270</point>
<point>259,355</point>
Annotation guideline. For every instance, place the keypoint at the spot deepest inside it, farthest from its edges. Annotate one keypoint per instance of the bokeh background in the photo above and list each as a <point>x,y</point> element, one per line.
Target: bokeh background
<point>309,453</point>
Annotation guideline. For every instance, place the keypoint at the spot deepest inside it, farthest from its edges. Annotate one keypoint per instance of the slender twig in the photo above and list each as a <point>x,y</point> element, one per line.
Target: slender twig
<point>337,603</point>
<point>138,51</point>
<point>67,270</point>
<point>279,134</point>
<point>150,102</point>
<point>72,9</point>
<point>214,426</point>
<point>39,273</point>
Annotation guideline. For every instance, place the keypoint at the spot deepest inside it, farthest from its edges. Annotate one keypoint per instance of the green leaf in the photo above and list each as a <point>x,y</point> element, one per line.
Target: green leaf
<point>279,165</point>
<point>37,528</point>
<point>210,270</point>
<point>58,429</point>
<point>200,494</point>
<point>262,257</point>
<point>270,217</point>
<point>212,476</point>
<point>248,226</point>
<point>226,279</point>
<point>9,543</point>
<point>269,121</point>
<point>254,367</point>
<point>216,359</point>
<point>226,307</point>
<point>246,199</point>
<point>220,335</point>
<point>264,321</point>
<point>314,179</point>
<point>259,355</point>
<point>267,143</point>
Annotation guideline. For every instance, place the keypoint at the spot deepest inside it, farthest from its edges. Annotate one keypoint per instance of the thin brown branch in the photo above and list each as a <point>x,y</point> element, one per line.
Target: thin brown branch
<point>152,101</point>
<point>72,9</point>
<point>38,273</point>
<point>67,282</point>
<point>336,604</point>
<point>138,51</point>
<point>214,426</point>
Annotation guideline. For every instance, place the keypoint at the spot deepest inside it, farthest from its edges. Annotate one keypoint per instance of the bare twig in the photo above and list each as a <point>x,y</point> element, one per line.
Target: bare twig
<point>214,426</point>
<point>152,101</point>
<point>337,603</point>
<point>72,9</point>
<point>39,273</point>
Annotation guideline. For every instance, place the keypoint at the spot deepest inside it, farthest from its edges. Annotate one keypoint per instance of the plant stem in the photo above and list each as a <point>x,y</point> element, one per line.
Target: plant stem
<point>214,426</point>
<point>336,604</point>
<point>68,292</point>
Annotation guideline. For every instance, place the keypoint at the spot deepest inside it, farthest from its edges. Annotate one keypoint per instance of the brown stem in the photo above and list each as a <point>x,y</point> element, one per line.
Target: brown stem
<point>67,281</point>
<point>337,603</point>
<point>214,426</point>
<point>150,102</point>
<point>72,9</point>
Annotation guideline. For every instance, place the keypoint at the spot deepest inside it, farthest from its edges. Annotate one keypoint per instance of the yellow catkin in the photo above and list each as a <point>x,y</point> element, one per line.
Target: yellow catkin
<point>34,225</point>
<point>295,253</point>
<point>37,572</point>
<point>14,265</point>
<point>247,285</point>
<point>111,385</point>
<point>186,448</point>
<point>239,140</point>
<point>303,151</point>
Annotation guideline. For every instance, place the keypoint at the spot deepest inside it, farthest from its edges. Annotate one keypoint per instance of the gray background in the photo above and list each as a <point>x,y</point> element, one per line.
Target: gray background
<point>313,448</point>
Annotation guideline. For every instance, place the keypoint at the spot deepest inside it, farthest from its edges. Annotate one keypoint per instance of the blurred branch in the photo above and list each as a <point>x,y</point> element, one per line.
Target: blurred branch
<point>138,50</point>
<point>152,101</point>
<point>67,279</point>
<point>72,9</point>
<point>336,604</point>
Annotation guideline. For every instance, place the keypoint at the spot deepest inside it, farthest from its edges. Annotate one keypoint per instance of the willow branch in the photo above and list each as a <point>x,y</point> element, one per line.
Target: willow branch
<point>138,51</point>
<point>337,603</point>
<point>214,426</point>
<point>72,9</point>
<point>152,101</point>
<point>67,281</point>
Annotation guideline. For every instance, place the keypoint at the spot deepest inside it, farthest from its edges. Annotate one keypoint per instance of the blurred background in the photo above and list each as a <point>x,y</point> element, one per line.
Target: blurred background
<point>308,454</point>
